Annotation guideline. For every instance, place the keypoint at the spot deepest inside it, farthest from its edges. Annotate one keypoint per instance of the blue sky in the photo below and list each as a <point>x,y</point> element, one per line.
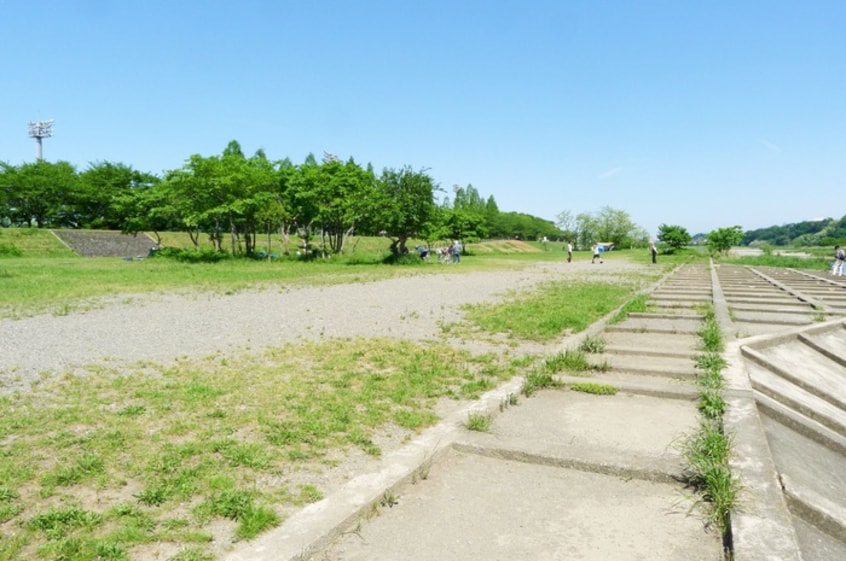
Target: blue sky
<point>702,114</point>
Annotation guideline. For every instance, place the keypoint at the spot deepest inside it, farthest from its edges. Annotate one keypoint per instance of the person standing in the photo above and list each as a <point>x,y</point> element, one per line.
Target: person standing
<point>597,253</point>
<point>456,251</point>
<point>839,257</point>
<point>653,250</point>
<point>569,252</point>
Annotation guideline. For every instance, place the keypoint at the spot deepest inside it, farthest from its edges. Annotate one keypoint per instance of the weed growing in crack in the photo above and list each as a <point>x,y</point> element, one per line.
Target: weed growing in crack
<point>479,422</point>
<point>594,388</point>
<point>592,344</point>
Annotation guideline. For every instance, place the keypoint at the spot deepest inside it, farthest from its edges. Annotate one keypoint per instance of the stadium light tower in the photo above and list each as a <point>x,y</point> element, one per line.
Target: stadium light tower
<point>39,130</point>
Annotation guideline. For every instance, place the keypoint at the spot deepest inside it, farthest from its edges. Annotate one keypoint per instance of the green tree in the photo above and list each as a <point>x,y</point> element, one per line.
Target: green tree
<point>100,187</point>
<point>42,192</point>
<point>566,222</point>
<point>586,230</point>
<point>674,237</point>
<point>721,240</point>
<point>615,226</point>
<point>346,197</point>
<point>407,205</point>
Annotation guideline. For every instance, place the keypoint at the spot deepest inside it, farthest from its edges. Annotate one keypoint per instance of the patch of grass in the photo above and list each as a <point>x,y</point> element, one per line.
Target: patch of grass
<point>638,304</point>
<point>479,422</point>
<point>594,388</point>
<point>202,432</point>
<point>783,261</point>
<point>193,554</point>
<point>574,361</point>
<point>711,404</point>
<point>553,310</point>
<point>593,344</point>
<point>710,333</point>
<point>711,362</point>
<point>710,367</point>
<point>707,451</point>
<point>707,454</point>
<point>538,380</point>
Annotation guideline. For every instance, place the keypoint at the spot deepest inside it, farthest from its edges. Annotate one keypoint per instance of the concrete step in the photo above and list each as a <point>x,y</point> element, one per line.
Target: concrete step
<point>677,368</point>
<point>640,384</point>
<point>802,366</point>
<point>657,325</point>
<point>772,318</point>
<point>780,413</point>
<point>831,343</point>
<point>811,488</point>
<point>688,314</point>
<point>660,352</point>
<point>649,343</point>
<point>796,398</point>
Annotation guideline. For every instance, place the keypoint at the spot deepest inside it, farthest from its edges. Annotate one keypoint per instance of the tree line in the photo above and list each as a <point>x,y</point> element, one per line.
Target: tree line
<point>238,201</point>
<point>824,232</point>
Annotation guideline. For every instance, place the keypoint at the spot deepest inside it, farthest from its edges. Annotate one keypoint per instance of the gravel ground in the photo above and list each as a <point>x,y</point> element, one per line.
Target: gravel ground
<point>163,327</point>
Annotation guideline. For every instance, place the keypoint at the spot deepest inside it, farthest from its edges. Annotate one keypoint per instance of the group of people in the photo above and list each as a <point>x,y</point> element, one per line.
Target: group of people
<point>598,249</point>
<point>447,254</point>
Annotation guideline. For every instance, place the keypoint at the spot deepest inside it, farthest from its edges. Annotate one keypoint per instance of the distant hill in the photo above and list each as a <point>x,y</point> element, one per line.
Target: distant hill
<point>828,231</point>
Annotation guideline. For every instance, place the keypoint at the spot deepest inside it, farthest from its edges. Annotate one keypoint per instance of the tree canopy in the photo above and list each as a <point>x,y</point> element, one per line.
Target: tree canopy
<point>722,239</point>
<point>674,237</point>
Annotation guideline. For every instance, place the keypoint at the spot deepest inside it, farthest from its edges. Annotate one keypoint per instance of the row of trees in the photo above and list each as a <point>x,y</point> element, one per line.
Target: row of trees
<point>235,200</point>
<point>827,231</point>
<point>606,225</point>
<point>675,237</point>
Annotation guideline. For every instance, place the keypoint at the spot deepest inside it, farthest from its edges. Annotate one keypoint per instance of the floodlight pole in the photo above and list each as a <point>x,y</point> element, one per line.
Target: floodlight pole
<point>39,130</point>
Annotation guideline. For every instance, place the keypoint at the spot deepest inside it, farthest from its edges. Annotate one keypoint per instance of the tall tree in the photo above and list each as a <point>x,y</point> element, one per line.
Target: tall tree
<point>408,206</point>
<point>615,226</point>
<point>44,193</point>
<point>566,222</point>
<point>100,186</point>
<point>346,197</point>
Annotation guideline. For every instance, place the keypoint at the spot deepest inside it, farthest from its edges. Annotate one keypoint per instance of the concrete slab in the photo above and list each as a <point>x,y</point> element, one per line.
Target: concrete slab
<point>624,424</point>
<point>669,342</point>
<point>792,451</point>
<point>529,512</point>
<point>658,325</point>
<point>817,545</point>
<point>671,367</point>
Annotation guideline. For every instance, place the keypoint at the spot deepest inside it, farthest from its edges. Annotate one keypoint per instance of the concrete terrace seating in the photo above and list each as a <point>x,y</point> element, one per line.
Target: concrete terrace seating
<point>105,243</point>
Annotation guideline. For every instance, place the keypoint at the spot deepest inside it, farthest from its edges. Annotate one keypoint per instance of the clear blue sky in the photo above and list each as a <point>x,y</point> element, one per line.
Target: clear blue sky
<point>703,114</point>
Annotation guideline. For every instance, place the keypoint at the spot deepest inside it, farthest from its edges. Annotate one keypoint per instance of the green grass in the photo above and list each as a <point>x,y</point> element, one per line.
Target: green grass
<point>44,276</point>
<point>479,422</point>
<point>707,451</point>
<point>594,344</point>
<point>594,388</point>
<point>99,463</point>
<point>707,454</point>
<point>817,262</point>
<point>638,304</point>
<point>537,380</point>
<point>574,361</point>
<point>553,310</point>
